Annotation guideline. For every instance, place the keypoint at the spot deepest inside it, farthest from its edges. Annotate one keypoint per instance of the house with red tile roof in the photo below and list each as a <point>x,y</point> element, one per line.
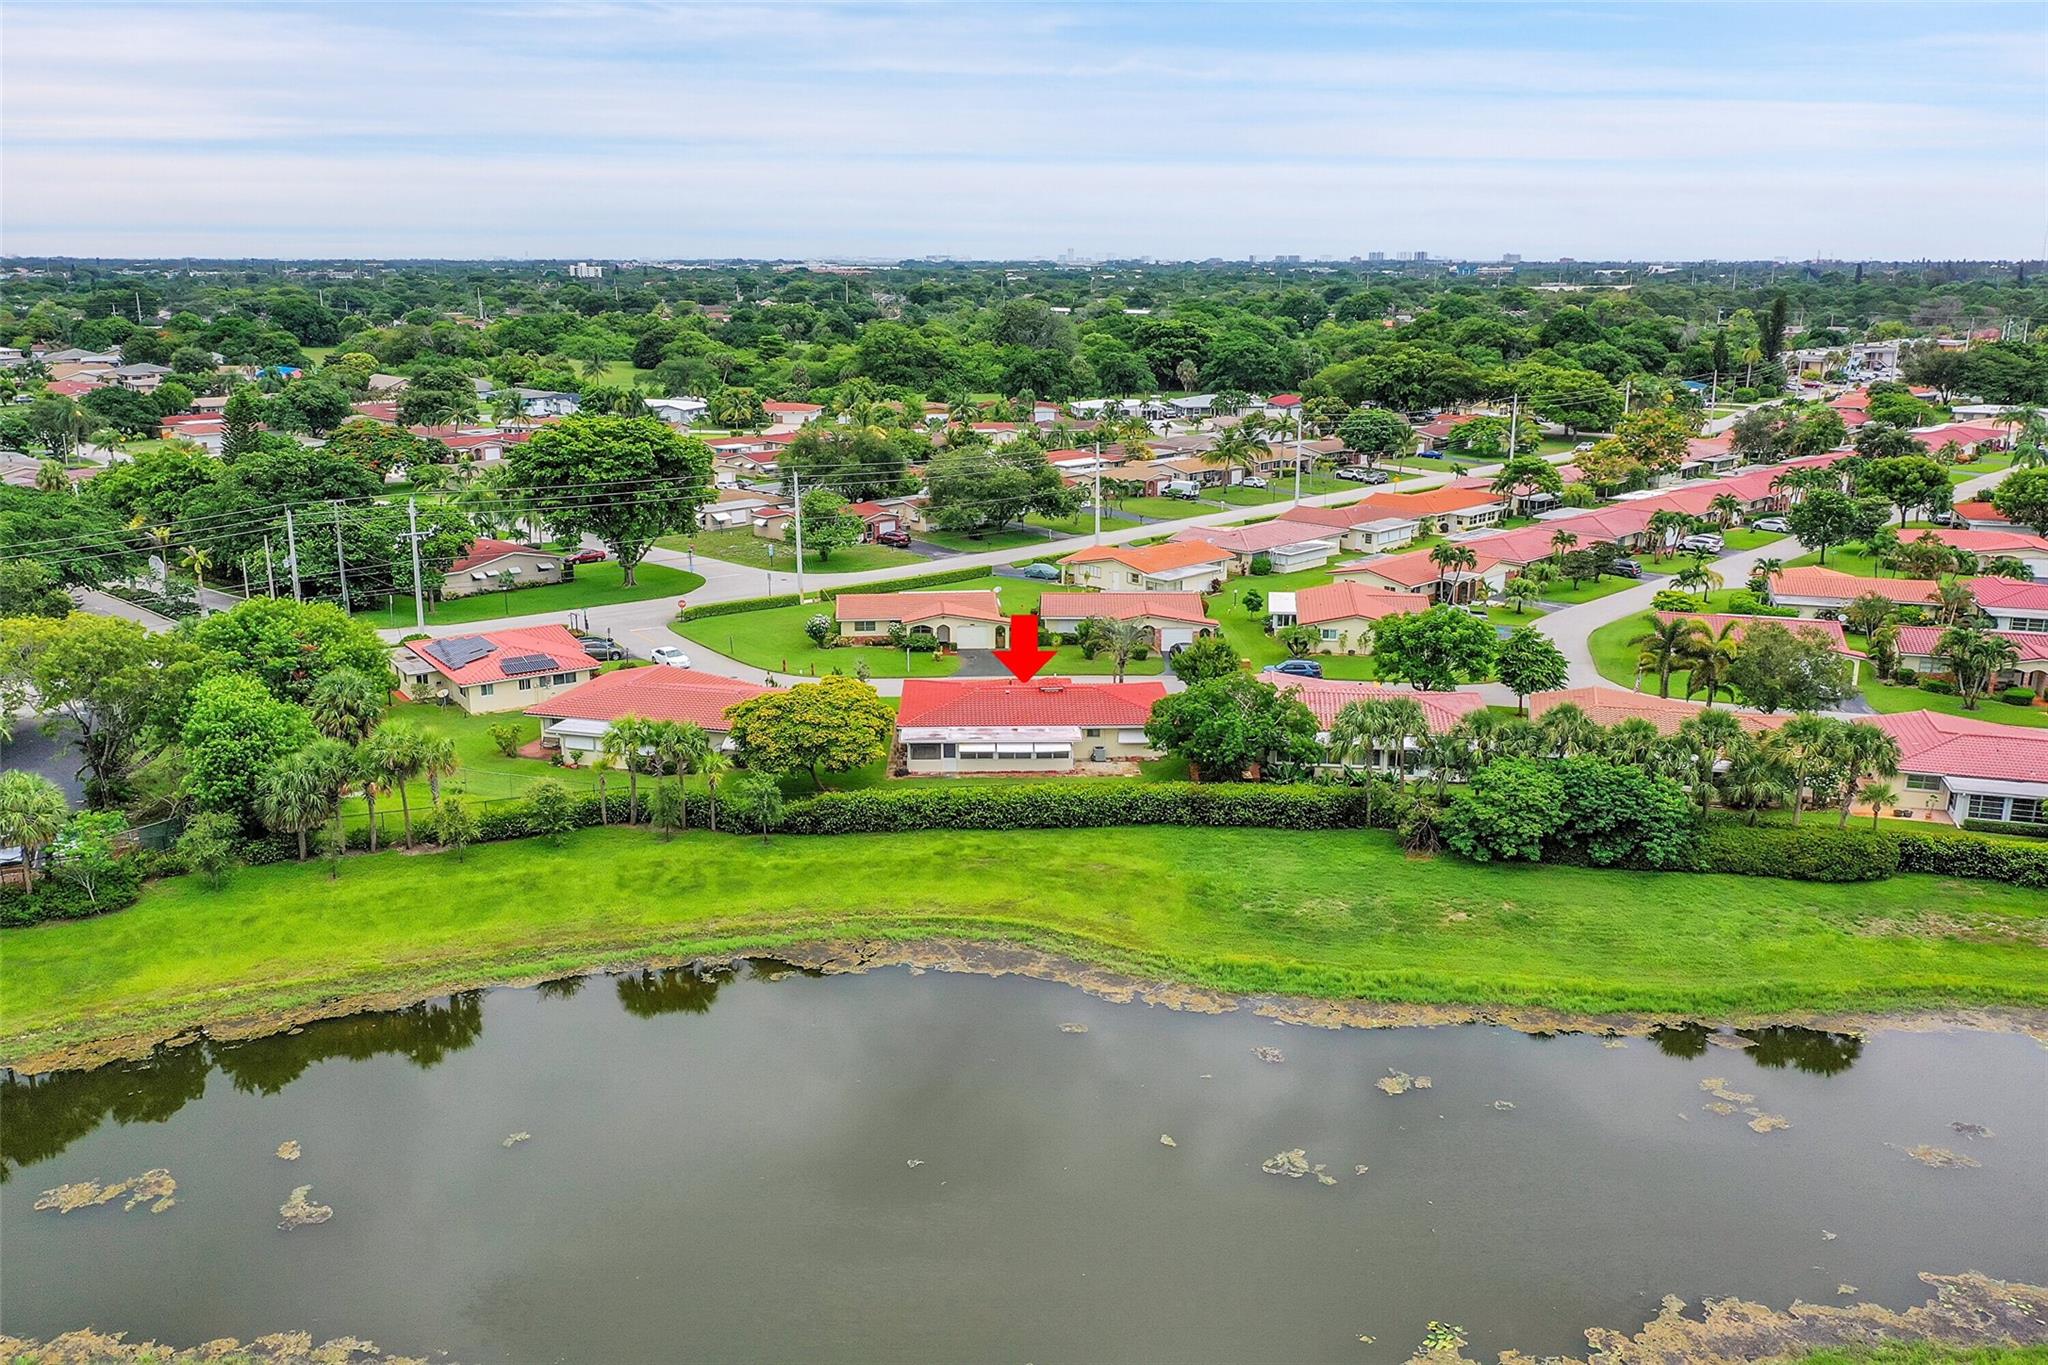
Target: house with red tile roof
<point>1432,434</point>
<point>1000,725</point>
<point>1734,627</point>
<point>579,717</point>
<point>1343,613</point>
<point>1328,696</point>
<point>1416,573</point>
<point>1448,510</point>
<point>1612,705</point>
<point>1174,618</point>
<point>1957,768</point>
<point>493,671</point>
<point>1359,528</point>
<point>970,618</point>
<point>790,416</point>
<point>490,564</point>
<point>1919,648</point>
<point>1812,589</point>
<point>2012,603</point>
<point>2028,548</point>
<point>1979,515</point>
<point>1289,545</point>
<point>1176,566</point>
<point>1971,437</point>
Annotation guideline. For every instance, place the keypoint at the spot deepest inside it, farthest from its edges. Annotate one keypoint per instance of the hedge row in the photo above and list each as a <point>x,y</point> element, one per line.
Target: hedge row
<point>1809,854</point>
<point>54,899</point>
<point>1063,806</point>
<point>1961,854</point>
<point>2012,827</point>
<point>737,605</point>
<point>927,580</point>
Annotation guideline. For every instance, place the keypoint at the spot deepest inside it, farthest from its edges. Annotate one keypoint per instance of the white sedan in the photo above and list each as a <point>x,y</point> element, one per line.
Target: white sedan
<point>670,655</point>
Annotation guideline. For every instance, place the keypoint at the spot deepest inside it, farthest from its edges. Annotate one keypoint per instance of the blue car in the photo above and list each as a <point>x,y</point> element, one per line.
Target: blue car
<point>1297,668</point>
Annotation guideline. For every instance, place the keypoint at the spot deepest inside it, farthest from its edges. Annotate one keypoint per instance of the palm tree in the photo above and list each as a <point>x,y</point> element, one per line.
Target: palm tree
<point>613,749</point>
<point>346,705</point>
<point>1568,730</point>
<point>1696,575</point>
<point>1353,732</point>
<point>1560,542</point>
<point>1863,750</point>
<point>1976,657</point>
<point>634,735</point>
<point>1481,735</point>
<point>1452,561</point>
<point>1121,639</point>
<point>713,765</point>
<point>1240,448</point>
<point>297,793</point>
<point>1954,603</point>
<point>1880,797</point>
<point>1756,775</point>
<point>369,781</point>
<point>1665,526</point>
<point>1632,741</point>
<point>2008,566</point>
<point>397,754</point>
<point>32,815</point>
<point>1521,592</point>
<point>1761,575</point>
<point>681,745</point>
<point>196,562</point>
<point>1710,737</point>
<point>1726,507</point>
<point>51,478</point>
<point>1665,646</point>
<point>1806,746</point>
<point>1711,660</point>
<point>438,759</point>
<point>1400,720</point>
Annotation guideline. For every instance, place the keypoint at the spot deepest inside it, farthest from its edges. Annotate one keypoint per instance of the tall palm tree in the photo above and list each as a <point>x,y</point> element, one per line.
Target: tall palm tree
<point>1711,660</point>
<point>1482,735</point>
<point>1726,507</point>
<point>1710,736</point>
<point>1352,734</point>
<point>1806,746</point>
<point>1696,575</point>
<point>1632,741</point>
<point>634,734</point>
<point>681,745</point>
<point>397,753</point>
<point>1454,561</point>
<point>32,815</point>
<point>1762,574</point>
<point>347,704</point>
<point>1665,646</point>
<point>1756,775</point>
<point>298,792</point>
<point>1568,730</point>
<point>1976,657</point>
<point>1665,526</point>
<point>196,562</point>
<point>613,749</point>
<point>712,767</point>
<point>1560,543</point>
<point>1121,639</point>
<point>369,782</point>
<point>1954,603</point>
<point>1400,720</point>
<point>1239,448</point>
<point>438,759</point>
<point>1863,751</point>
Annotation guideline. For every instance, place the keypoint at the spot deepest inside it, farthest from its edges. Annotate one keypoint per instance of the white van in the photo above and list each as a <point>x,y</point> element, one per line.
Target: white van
<point>1186,489</point>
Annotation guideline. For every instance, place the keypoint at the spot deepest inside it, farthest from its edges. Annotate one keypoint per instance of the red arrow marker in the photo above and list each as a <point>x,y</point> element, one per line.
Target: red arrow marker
<point>1024,658</point>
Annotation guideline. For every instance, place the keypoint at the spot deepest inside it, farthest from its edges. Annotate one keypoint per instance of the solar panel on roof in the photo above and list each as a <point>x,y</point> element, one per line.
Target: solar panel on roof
<point>528,663</point>
<point>461,651</point>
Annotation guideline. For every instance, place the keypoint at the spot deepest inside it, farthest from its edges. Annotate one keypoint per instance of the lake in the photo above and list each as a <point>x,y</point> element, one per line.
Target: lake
<point>768,1164</point>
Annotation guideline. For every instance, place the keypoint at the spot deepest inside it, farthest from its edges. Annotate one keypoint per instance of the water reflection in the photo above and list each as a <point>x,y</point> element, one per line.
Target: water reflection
<point>1681,1040</point>
<point>42,1115</point>
<point>1811,1050</point>
<point>671,990</point>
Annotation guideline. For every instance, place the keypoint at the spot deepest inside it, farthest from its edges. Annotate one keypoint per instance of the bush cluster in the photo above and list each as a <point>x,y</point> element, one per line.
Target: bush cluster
<point>925,580</point>
<point>55,899</point>
<point>2012,827</point>
<point>737,605</point>
<point>1960,854</point>
<point>1086,806</point>
<point>1809,854</point>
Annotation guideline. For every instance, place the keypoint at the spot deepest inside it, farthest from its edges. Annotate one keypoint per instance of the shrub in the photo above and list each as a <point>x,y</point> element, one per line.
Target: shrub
<point>505,735</point>
<point>737,605</point>
<point>822,630</point>
<point>1671,599</point>
<point>929,580</point>
<point>1511,809</point>
<point>1615,813</point>
<point>54,899</point>
<point>1089,805</point>
<point>2017,696</point>
<point>1940,687</point>
<point>2011,827</point>
<point>1806,855</point>
<point>923,643</point>
<point>1961,854</point>
<point>1905,677</point>
<point>1262,564</point>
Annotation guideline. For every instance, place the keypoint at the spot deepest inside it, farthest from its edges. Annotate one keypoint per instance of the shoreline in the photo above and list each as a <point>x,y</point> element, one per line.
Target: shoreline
<point>995,957</point>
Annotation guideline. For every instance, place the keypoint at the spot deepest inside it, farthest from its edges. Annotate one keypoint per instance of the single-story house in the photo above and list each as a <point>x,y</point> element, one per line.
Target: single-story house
<point>1970,437</point>
<point>387,383</point>
<point>1612,705</point>
<point>1958,768</point>
<point>1174,618</point>
<point>1813,590</point>
<point>1432,434</point>
<point>1289,545</point>
<point>2013,603</point>
<point>2028,548</point>
<point>1449,510</point>
<point>1918,646</point>
<point>969,618</point>
<point>789,416</point>
<point>999,725</point>
<point>735,507</point>
<point>682,411</point>
<point>487,563</point>
<point>1283,405</point>
<point>1343,614</point>
<point>1706,456</point>
<point>499,670</point>
<point>1417,574</point>
<point>1979,515</point>
<point>1359,528</point>
<point>579,717</point>
<point>547,403</point>
<point>1176,566</point>
<point>1327,696</point>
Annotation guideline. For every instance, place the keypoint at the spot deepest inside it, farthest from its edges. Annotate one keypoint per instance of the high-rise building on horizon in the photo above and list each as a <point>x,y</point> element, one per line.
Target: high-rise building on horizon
<point>1375,255</point>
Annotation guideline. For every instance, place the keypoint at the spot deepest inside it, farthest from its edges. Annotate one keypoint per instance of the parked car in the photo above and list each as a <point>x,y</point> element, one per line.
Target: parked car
<point>1187,490</point>
<point>586,557</point>
<point>1253,481</point>
<point>1710,544</point>
<point>1626,568</point>
<point>1296,668</point>
<point>898,539</point>
<point>1374,476</point>
<point>1778,524</point>
<point>602,649</point>
<point>1048,573</point>
<point>671,656</point>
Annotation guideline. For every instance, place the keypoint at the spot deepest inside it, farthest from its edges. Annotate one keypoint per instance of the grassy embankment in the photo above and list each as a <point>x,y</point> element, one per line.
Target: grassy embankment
<point>1340,915</point>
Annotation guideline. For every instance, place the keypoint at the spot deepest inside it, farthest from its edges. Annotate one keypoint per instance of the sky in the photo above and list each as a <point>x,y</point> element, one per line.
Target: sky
<point>1595,131</point>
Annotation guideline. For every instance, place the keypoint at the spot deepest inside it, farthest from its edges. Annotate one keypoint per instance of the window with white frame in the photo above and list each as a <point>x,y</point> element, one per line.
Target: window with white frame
<point>1923,782</point>
<point>1979,806</point>
<point>2028,810</point>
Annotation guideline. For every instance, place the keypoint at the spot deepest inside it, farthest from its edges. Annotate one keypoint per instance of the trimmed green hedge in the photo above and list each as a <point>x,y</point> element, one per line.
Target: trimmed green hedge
<point>736,606</point>
<point>1958,853</point>
<point>1808,854</point>
<point>2009,827</point>
<point>927,580</point>
<point>1084,806</point>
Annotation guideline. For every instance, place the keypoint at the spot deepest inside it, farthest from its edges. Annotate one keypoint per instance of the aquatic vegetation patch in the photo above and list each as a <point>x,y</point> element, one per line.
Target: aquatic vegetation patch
<point>289,1150</point>
<point>1268,1054</point>
<point>1294,1164</point>
<point>153,1187</point>
<point>1400,1083</point>
<point>89,1347</point>
<point>1940,1157</point>
<point>299,1211</point>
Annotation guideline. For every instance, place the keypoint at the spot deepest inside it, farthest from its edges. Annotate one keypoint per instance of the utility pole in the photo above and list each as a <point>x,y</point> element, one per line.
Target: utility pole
<point>1514,421</point>
<point>291,554</point>
<point>1097,501</point>
<point>269,572</point>
<point>340,560</point>
<point>412,524</point>
<point>796,496</point>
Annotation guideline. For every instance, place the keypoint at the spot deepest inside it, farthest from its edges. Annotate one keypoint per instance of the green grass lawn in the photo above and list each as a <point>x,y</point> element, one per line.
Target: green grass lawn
<point>1748,538</point>
<point>596,585</point>
<point>1615,657</point>
<point>485,775</point>
<point>1280,488</point>
<point>1561,591</point>
<point>1081,523</point>
<point>1166,509</point>
<point>1842,559</point>
<point>1332,914</point>
<point>1008,539</point>
<point>1890,697</point>
<point>1990,462</point>
<point>741,546</point>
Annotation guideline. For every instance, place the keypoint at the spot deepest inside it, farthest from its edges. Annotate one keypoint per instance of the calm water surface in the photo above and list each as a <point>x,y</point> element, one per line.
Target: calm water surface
<point>720,1170</point>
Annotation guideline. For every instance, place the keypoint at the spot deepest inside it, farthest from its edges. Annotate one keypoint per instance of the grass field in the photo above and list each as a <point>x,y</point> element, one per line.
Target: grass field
<point>1890,697</point>
<point>1342,915</point>
<point>1747,538</point>
<point>740,546</point>
<point>596,585</point>
<point>1081,523</point>
<point>988,540</point>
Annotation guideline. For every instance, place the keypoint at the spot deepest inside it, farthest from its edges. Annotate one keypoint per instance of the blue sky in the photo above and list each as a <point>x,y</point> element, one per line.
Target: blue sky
<point>550,129</point>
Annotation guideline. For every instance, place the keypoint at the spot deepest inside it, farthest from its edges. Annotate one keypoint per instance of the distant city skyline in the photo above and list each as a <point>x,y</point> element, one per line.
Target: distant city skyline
<point>607,132</point>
